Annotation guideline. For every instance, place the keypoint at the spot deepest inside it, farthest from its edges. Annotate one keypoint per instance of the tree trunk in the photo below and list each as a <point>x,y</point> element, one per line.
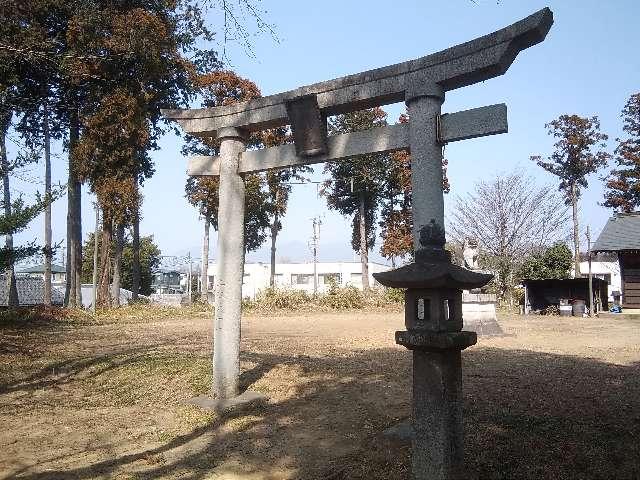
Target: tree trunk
<point>576,234</point>
<point>117,265</point>
<point>73,288</point>
<point>274,238</point>
<point>135,274</point>
<point>204,269</point>
<point>12,300</point>
<point>48,253</point>
<point>364,249</point>
<point>94,301</point>
<point>67,263</point>
<point>104,294</point>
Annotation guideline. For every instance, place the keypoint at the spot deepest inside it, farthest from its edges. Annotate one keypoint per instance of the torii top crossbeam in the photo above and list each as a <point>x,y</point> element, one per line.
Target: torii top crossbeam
<point>462,65</point>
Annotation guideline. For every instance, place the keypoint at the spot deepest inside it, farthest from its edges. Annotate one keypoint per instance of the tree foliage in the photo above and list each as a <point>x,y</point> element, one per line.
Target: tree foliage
<point>396,216</point>
<point>510,217</point>
<point>150,261</point>
<point>579,151</point>
<point>266,195</point>
<point>554,262</point>
<point>358,178</point>
<point>15,213</point>
<point>623,184</point>
<point>19,218</point>
<point>203,193</point>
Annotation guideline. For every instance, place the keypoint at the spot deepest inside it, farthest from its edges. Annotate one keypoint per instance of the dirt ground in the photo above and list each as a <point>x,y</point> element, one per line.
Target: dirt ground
<point>556,398</point>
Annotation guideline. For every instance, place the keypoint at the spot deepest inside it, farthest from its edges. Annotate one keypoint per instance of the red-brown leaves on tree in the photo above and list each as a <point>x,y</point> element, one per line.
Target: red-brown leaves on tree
<point>578,152</point>
<point>397,220</point>
<point>113,138</point>
<point>397,240</point>
<point>225,87</point>
<point>265,195</point>
<point>623,183</point>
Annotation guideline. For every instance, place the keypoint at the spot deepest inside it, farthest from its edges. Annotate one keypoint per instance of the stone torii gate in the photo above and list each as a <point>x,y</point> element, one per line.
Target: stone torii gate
<point>421,84</point>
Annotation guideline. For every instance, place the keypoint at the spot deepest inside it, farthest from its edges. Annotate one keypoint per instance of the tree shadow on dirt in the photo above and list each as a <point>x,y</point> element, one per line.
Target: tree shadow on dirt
<point>67,371</point>
<point>527,415</point>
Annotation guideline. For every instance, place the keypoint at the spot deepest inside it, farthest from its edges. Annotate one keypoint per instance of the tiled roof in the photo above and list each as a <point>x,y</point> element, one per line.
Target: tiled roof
<point>622,232</point>
<point>40,269</point>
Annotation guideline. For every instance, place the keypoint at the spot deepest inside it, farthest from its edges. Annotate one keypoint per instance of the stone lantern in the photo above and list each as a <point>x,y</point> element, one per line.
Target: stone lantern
<point>433,320</point>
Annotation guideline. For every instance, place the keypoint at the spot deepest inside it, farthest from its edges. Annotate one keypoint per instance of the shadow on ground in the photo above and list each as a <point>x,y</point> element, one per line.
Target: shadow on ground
<point>527,415</point>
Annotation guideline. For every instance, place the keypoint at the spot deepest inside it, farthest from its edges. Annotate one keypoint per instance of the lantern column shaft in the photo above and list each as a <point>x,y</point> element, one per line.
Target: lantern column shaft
<point>437,415</point>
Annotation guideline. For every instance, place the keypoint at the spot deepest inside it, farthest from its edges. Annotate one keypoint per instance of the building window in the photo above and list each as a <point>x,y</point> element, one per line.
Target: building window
<point>329,278</point>
<point>604,276</point>
<point>301,279</point>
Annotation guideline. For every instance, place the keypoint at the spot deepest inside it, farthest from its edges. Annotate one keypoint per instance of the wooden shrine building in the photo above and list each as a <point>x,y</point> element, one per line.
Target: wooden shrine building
<point>621,235</point>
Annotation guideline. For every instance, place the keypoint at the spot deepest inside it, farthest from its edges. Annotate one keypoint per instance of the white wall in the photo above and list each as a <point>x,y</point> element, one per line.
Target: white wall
<point>602,268</point>
<point>300,276</point>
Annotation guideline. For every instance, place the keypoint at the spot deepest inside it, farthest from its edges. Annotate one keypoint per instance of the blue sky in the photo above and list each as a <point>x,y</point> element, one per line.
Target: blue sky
<point>588,65</point>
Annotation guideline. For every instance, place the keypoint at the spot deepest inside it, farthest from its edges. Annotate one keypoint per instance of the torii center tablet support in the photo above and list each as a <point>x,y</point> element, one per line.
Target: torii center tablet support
<point>433,297</point>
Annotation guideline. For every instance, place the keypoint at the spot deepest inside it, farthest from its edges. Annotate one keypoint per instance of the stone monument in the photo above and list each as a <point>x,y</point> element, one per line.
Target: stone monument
<point>434,285</point>
<point>478,308</point>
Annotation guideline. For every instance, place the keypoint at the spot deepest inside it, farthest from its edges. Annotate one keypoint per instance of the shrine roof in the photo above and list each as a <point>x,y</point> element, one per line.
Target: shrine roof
<point>622,232</point>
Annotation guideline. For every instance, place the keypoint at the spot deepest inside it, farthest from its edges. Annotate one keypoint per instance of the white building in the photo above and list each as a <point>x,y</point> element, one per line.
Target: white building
<point>606,269</point>
<point>300,276</point>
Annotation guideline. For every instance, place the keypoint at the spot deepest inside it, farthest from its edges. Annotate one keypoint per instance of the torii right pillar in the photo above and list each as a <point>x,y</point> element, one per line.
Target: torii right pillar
<point>433,302</point>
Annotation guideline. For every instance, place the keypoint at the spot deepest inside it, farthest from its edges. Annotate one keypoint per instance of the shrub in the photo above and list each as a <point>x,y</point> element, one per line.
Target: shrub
<point>274,298</point>
<point>394,295</point>
<point>341,298</point>
<point>336,298</point>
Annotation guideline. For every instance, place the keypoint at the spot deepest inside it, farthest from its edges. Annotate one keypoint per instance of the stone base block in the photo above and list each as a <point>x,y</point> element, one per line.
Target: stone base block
<point>209,403</point>
<point>479,314</point>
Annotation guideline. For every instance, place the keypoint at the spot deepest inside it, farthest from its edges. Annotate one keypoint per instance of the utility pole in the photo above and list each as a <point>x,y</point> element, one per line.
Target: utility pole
<point>95,260</point>
<point>314,249</point>
<point>189,278</point>
<point>590,276</point>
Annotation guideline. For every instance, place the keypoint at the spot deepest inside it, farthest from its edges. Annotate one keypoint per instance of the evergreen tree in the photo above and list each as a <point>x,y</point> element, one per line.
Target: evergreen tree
<point>356,186</point>
<point>150,261</point>
<point>579,152</point>
<point>553,262</point>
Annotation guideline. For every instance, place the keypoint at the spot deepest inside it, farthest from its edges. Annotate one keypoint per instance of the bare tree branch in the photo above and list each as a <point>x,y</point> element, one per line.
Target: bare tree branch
<point>511,218</point>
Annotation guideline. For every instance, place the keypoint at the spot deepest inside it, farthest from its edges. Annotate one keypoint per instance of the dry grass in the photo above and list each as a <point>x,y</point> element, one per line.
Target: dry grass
<point>105,397</point>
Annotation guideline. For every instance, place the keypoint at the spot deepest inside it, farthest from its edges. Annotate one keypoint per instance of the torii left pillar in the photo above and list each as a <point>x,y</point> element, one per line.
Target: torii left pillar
<point>228,281</point>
